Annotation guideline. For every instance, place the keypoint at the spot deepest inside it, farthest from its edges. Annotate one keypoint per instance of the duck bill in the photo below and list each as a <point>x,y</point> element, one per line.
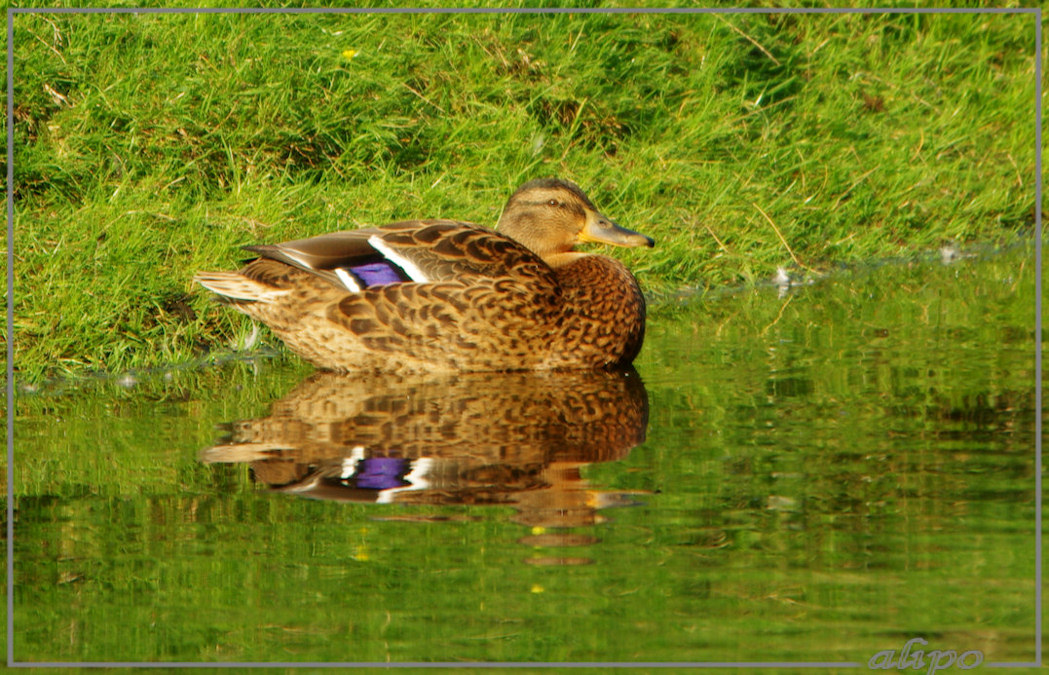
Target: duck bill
<point>601,230</point>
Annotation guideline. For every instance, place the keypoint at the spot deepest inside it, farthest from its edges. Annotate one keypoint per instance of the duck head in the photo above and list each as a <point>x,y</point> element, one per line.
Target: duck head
<point>550,216</point>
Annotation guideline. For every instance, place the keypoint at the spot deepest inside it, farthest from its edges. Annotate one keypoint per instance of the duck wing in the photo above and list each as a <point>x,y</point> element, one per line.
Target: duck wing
<point>421,251</point>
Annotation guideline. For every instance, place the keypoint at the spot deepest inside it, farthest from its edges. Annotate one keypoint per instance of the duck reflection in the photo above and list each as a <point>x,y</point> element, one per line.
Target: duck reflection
<point>517,439</point>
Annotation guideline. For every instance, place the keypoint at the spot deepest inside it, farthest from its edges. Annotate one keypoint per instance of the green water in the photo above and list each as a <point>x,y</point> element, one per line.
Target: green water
<point>814,475</point>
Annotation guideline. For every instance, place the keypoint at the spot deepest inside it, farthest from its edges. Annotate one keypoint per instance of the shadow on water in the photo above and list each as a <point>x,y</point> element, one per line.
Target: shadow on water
<point>508,439</point>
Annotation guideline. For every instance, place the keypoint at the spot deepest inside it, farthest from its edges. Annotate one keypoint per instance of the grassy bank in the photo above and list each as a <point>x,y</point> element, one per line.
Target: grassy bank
<point>152,146</point>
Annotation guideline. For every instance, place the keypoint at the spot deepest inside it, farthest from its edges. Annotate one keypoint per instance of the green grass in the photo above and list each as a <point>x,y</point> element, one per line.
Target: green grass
<point>152,146</point>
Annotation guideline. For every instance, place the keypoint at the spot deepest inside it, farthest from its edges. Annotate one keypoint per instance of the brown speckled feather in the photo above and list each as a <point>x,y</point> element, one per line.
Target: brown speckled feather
<point>480,300</point>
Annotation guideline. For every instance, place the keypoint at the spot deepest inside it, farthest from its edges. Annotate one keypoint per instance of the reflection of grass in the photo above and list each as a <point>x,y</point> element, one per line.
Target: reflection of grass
<point>821,487</point>
<point>152,146</point>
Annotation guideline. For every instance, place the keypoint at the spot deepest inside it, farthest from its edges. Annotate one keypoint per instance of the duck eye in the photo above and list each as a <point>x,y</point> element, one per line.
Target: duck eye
<point>552,202</point>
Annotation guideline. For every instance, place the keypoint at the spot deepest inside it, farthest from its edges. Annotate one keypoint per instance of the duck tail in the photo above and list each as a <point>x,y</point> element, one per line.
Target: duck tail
<point>234,286</point>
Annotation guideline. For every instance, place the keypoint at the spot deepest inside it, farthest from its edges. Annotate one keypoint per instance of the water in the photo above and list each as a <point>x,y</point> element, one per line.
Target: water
<point>817,474</point>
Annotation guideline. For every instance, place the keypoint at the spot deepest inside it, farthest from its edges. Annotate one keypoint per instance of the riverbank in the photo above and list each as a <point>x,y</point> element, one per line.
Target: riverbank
<point>152,146</point>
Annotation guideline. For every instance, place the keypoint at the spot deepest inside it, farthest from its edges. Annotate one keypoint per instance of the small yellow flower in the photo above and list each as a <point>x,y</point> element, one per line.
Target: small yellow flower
<point>538,529</point>
<point>537,588</point>
<point>349,53</point>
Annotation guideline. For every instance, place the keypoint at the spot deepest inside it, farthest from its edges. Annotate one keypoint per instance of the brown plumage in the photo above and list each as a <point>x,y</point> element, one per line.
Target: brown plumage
<point>446,295</point>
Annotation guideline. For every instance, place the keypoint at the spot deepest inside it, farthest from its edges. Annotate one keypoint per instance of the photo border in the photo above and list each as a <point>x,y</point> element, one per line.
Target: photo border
<point>1035,12</point>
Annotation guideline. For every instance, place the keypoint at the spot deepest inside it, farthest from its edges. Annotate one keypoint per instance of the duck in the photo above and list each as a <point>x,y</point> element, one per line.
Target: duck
<point>445,295</point>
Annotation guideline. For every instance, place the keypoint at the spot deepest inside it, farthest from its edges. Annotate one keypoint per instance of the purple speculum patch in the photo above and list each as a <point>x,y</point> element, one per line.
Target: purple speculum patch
<point>377,274</point>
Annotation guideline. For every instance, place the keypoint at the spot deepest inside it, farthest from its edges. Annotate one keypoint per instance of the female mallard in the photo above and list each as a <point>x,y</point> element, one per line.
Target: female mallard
<point>445,295</point>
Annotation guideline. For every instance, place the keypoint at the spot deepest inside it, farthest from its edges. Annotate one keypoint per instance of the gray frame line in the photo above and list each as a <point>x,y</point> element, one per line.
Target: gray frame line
<point>1036,12</point>
<point>1038,334</point>
<point>10,335</point>
<point>524,10</point>
<point>464,665</point>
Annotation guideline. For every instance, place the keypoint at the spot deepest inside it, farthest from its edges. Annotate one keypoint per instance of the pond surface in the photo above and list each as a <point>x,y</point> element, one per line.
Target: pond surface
<point>818,473</point>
